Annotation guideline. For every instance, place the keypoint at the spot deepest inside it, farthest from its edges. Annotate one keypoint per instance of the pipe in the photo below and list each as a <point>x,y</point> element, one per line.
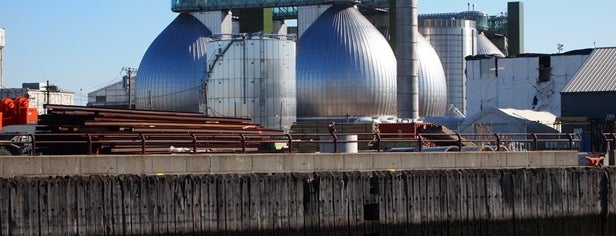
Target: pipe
<point>407,58</point>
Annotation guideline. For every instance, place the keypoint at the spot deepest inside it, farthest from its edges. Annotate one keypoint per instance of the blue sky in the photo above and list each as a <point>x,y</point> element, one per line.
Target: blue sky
<point>82,45</point>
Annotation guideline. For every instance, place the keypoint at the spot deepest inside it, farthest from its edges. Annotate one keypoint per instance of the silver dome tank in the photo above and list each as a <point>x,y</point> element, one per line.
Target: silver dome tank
<point>432,81</point>
<point>172,70</point>
<point>345,67</point>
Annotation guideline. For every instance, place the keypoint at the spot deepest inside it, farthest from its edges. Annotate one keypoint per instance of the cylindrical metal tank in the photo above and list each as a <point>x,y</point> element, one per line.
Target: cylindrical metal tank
<point>407,58</point>
<point>2,42</point>
<point>345,67</point>
<point>253,77</point>
<point>172,70</point>
<point>486,47</point>
<point>453,40</point>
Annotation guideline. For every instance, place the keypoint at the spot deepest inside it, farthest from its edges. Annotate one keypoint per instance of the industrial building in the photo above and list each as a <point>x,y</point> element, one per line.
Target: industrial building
<point>586,100</point>
<point>526,82</point>
<point>351,62</point>
<point>120,94</point>
<point>40,94</point>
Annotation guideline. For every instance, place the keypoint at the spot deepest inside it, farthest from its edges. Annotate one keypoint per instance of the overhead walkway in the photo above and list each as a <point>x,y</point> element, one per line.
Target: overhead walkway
<point>212,5</point>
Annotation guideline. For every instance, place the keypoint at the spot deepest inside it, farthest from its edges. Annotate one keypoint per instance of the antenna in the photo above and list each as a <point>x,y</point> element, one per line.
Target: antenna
<point>559,47</point>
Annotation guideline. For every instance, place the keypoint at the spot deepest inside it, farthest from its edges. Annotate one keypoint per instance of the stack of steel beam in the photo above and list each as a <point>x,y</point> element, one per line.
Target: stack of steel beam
<point>95,130</point>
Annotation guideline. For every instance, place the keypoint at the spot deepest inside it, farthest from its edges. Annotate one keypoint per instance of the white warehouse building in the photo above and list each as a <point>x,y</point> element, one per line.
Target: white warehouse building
<point>526,82</point>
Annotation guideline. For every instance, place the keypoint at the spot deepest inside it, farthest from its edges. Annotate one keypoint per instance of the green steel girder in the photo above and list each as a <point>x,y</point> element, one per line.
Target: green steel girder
<point>212,5</point>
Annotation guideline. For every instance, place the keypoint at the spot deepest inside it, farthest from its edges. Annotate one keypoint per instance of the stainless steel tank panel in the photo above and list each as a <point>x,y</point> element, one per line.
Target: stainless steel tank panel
<point>452,40</point>
<point>173,67</point>
<point>486,47</point>
<point>345,67</point>
<point>253,78</point>
<point>432,81</point>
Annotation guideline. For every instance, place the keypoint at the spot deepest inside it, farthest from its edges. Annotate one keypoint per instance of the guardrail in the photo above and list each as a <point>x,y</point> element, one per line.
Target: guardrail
<point>151,143</point>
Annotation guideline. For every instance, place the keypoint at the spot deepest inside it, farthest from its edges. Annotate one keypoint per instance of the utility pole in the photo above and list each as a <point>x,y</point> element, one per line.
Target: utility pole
<point>128,84</point>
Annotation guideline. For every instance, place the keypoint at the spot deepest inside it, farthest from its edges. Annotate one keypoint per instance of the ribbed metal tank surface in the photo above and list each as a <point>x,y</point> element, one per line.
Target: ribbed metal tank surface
<point>432,81</point>
<point>172,70</point>
<point>486,47</point>
<point>345,67</point>
<point>253,78</point>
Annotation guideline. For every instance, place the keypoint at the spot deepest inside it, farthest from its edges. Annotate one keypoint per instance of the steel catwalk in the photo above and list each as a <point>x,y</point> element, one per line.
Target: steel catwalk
<point>172,70</point>
<point>254,78</point>
<point>345,67</point>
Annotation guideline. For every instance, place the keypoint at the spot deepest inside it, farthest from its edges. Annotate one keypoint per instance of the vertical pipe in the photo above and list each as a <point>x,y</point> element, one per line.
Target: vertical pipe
<point>2,43</point>
<point>406,55</point>
<point>1,48</point>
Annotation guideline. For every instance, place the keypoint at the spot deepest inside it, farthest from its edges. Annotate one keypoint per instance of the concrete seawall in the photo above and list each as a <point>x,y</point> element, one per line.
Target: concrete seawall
<point>275,163</point>
<point>527,201</point>
<point>484,193</point>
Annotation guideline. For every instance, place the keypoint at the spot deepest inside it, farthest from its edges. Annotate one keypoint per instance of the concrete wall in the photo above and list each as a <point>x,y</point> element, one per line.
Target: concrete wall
<point>519,201</point>
<point>275,163</point>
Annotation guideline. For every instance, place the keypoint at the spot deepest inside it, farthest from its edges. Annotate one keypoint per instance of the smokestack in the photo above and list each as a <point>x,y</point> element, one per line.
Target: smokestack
<point>406,55</point>
<point>1,48</point>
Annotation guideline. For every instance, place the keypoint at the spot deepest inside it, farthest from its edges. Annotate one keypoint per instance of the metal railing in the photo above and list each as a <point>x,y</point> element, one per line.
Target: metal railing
<point>152,143</point>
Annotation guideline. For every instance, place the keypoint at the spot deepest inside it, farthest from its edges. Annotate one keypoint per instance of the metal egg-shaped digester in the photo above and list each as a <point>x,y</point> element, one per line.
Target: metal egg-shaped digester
<point>172,69</point>
<point>432,80</point>
<point>486,47</point>
<point>345,67</point>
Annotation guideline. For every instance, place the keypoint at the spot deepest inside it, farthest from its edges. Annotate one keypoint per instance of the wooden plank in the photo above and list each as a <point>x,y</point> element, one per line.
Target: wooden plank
<point>211,212</point>
<point>72,212</point>
<point>386,207</point>
<point>244,204</point>
<point>473,220</point>
<point>296,205</point>
<point>170,202</point>
<point>143,204</point>
<point>17,206</point>
<point>189,205</point>
<point>326,209</point>
<point>197,200</point>
<point>43,199</point>
<point>454,202</point>
<point>33,206</point>
<point>252,204</point>
<point>353,198</point>
<point>82,206</point>
<point>118,222</point>
<point>267,221</point>
<point>311,189</point>
<point>107,204</point>
<point>97,195</point>
<point>130,199</point>
<point>340,204</point>
<point>232,203</point>
<point>52,204</point>
<point>441,203</point>
<point>611,204</point>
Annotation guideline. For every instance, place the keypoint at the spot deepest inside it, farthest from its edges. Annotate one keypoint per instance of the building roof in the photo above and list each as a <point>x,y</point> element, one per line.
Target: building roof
<point>597,74</point>
<point>509,120</point>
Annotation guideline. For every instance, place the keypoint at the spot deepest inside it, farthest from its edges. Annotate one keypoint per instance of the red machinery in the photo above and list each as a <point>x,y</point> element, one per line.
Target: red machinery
<point>17,112</point>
